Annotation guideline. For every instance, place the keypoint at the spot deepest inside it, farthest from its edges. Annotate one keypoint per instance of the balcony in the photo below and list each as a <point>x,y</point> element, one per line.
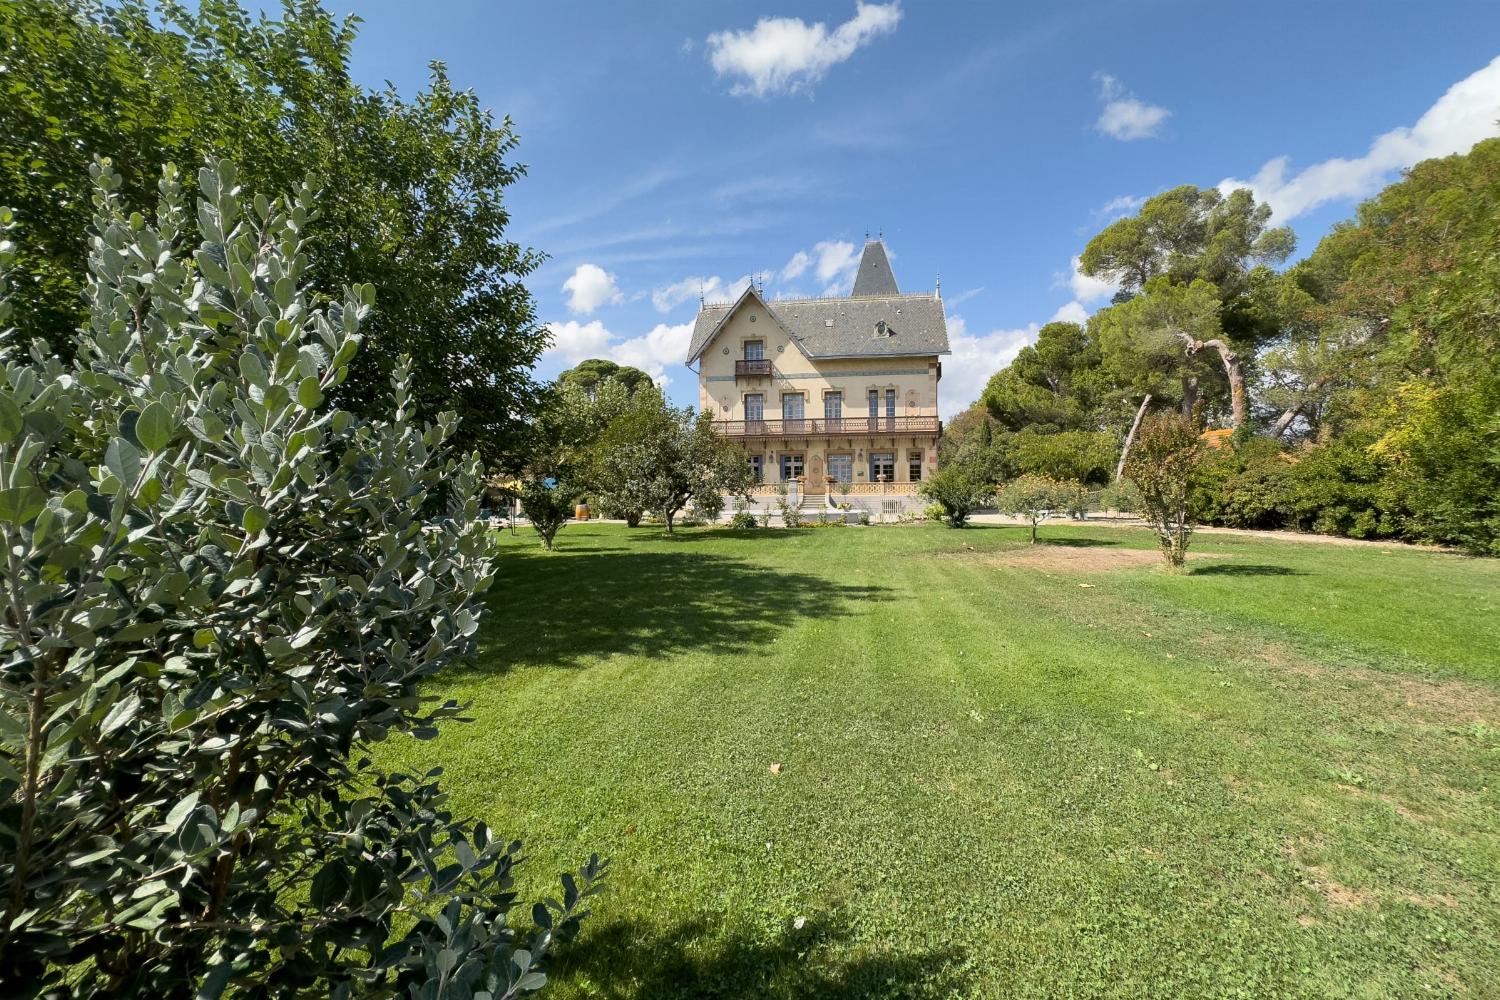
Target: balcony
<point>837,427</point>
<point>752,368</point>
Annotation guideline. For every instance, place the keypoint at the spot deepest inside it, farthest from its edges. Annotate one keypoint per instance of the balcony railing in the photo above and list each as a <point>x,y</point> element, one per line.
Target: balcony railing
<point>751,367</point>
<point>836,427</point>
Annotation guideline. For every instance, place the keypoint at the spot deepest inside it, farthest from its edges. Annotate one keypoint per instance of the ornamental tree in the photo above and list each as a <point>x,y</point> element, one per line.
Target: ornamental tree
<point>219,596</point>
<point>1035,497</point>
<point>1163,465</point>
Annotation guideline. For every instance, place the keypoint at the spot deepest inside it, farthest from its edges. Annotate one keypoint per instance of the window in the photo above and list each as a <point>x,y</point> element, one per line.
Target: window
<point>755,407</point>
<point>890,403</point>
<point>757,470</point>
<point>874,407</point>
<point>841,468</point>
<point>791,467</point>
<point>833,405</point>
<point>755,350</point>
<point>914,466</point>
<point>882,463</point>
<point>793,406</point>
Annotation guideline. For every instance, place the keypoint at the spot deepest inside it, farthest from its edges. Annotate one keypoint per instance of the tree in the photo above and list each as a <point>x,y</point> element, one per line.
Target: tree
<point>958,488</point>
<point>1057,384</point>
<point>1189,234</point>
<point>656,458</point>
<point>410,195</point>
<point>219,596</point>
<point>1084,457</point>
<point>1034,497</point>
<point>547,504</point>
<point>587,375</point>
<point>1163,465</point>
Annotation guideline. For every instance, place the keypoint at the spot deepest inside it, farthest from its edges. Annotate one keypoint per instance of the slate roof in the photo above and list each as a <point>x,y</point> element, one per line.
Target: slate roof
<point>843,328</point>
<point>875,276</point>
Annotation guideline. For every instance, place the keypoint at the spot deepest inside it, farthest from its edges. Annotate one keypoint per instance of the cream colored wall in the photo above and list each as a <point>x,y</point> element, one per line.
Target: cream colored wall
<point>914,379</point>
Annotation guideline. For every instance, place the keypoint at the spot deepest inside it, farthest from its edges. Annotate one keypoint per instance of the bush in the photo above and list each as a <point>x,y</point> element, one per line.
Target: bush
<point>934,512</point>
<point>742,520</point>
<point>1163,465</point>
<point>1340,489</point>
<point>220,595</point>
<point>1120,495</point>
<point>1245,486</point>
<point>957,488</point>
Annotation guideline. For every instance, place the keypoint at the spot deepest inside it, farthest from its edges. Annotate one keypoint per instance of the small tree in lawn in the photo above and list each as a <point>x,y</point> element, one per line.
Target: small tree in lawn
<point>1034,497</point>
<point>1163,464</point>
<point>958,488</point>
<point>658,458</point>
<point>219,595</point>
<point>548,503</point>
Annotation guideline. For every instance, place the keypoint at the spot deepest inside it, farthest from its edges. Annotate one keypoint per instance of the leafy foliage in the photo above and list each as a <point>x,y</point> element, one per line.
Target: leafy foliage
<point>589,375</point>
<point>656,458</point>
<point>1035,497</point>
<point>411,196</point>
<point>548,504</point>
<point>218,596</point>
<point>1163,466</point>
<point>958,488</point>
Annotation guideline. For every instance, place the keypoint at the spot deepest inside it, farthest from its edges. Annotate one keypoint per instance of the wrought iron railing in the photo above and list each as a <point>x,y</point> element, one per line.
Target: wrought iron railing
<point>749,367</point>
<point>836,427</point>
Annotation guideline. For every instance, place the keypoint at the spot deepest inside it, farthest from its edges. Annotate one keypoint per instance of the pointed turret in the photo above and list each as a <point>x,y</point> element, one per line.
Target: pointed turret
<point>875,277</point>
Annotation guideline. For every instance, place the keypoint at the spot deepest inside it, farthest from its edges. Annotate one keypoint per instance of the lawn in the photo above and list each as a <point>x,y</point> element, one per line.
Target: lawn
<point>1004,771</point>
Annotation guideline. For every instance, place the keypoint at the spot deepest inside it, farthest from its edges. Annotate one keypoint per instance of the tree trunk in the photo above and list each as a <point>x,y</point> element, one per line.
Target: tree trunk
<point>1033,531</point>
<point>1189,394</point>
<point>1130,438</point>
<point>1235,371</point>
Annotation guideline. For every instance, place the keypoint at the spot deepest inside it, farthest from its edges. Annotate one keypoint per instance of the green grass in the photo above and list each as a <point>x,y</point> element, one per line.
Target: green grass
<point>1005,772</point>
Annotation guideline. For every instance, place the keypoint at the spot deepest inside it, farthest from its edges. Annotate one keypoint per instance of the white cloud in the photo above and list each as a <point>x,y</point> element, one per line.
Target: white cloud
<point>797,266</point>
<point>1460,118</point>
<point>1072,312</point>
<point>1125,116</point>
<point>1118,208</point>
<point>782,55</point>
<point>974,359</point>
<point>663,347</point>
<point>573,341</point>
<point>591,287</point>
<point>711,288</point>
<point>832,262</point>
<point>1085,288</point>
<point>653,352</point>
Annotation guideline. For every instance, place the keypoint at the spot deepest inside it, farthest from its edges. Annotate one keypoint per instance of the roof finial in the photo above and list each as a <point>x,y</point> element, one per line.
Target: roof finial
<point>938,286</point>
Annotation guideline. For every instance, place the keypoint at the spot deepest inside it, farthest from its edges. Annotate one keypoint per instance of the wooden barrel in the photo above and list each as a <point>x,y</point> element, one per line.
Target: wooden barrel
<point>581,512</point>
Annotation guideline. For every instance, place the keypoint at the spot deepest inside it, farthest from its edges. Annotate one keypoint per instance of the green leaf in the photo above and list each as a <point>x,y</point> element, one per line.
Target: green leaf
<point>20,504</point>
<point>203,638</point>
<point>255,519</point>
<point>181,811</point>
<point>531,982</point>
<point>122,712</point>
<point>253,371</point>
<point>123,460</point>
<point>11,420</point>
<point>309,394</point>
<point>154,428</point>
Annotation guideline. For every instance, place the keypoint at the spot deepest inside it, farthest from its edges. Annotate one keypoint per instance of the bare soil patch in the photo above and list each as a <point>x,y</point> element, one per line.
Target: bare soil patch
<point>1078,559</point>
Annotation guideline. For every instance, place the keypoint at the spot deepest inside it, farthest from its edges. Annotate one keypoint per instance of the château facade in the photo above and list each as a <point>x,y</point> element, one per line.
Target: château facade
<point>838,394</point>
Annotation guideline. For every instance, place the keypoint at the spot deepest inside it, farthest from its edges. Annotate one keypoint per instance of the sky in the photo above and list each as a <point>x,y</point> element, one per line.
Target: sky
<point>682,149</point>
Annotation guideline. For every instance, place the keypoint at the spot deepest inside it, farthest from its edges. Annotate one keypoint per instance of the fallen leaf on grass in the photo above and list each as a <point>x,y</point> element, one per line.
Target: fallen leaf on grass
<point>775,768</point>
<point>1087,586</point>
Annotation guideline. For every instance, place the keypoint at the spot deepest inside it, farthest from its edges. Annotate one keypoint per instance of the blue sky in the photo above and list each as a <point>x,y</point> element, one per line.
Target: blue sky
<point>675,147</point>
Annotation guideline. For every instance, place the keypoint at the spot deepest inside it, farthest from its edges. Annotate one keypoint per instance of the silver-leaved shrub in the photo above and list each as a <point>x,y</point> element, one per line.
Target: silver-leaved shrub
<point>218,593</point>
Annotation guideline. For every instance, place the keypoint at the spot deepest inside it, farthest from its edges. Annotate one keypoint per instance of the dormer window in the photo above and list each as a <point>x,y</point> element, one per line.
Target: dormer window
<point>884,329</point>
<point>755,350</point>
